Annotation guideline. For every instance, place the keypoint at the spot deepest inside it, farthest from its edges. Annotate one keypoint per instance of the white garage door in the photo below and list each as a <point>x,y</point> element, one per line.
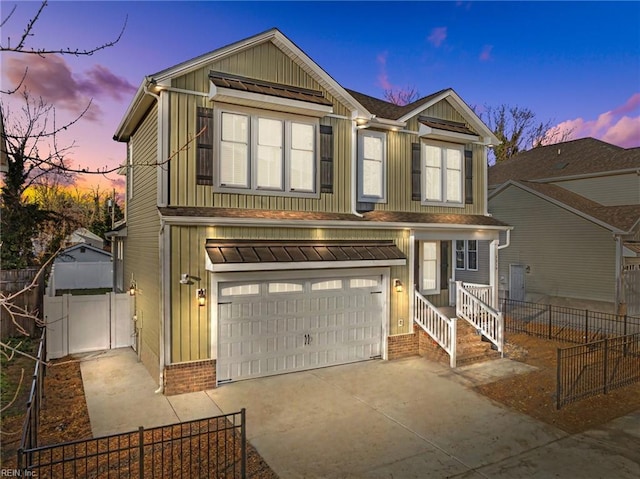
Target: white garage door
<point>273,327</point>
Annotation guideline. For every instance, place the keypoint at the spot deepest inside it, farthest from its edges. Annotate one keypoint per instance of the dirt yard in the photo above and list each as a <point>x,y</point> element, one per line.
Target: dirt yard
<point>534,393</point>
<point>65,416</point>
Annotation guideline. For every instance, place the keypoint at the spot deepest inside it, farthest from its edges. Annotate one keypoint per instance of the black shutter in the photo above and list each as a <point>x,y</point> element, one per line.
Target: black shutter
<point>468,177</point>
<point>204,150</point>
<point>444,264</point>
<point>416,194</point>
<point>326,159</point>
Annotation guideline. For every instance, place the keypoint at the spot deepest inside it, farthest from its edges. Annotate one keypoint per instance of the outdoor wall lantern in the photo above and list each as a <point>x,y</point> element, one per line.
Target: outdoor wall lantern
<point>397,285</point>
<point>201,294</point>
<point>132,287</point>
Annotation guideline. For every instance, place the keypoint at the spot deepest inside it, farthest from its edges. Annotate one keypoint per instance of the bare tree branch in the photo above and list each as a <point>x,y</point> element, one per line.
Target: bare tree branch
<point>28,32</point>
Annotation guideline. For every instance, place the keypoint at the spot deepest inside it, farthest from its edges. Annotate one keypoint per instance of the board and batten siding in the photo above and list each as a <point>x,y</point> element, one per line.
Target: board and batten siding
<point>568,256</point>
<point>183,190</point>
<point>612,190</point>
<point>399,171</point>
<point>190,325</point>
<point>141,257</point>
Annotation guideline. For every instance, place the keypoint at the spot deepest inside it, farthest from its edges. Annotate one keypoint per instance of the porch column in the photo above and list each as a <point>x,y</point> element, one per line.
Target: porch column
<point>493,272</point>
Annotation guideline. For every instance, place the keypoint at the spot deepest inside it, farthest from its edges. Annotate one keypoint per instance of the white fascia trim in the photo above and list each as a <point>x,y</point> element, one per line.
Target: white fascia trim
<point>558,203</point>
<point>384,124</point>
<point>367,225</point>
<point>162,178</point>
<point>119,135</point>
<point>228,95</point>
<point>238,267</point>
<point>437,134</point>
<point>488,136</point>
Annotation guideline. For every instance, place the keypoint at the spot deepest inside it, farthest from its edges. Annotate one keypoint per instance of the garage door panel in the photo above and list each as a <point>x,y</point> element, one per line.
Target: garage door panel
<point>278,327</point>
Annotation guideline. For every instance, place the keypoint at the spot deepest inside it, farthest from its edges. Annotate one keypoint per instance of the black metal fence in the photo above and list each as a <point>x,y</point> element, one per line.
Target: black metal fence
<point>29,437</point>
<point>204,448</point>
<point>565,324</point>
<point>597,367</point>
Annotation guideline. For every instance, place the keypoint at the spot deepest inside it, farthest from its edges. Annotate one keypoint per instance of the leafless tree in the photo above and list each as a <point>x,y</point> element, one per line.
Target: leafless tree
<point>401,96</point>
<point>518,130</point>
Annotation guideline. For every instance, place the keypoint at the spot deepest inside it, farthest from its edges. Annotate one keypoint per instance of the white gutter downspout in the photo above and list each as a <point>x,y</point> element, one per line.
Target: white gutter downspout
<point>161,359</point>
<point>354,173</point>
<point>506,245</point>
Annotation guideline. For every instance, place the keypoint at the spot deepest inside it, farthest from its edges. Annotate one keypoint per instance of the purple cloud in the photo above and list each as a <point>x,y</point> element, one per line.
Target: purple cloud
<point>437,36</point>
<point>618,126</point>
<point>383,77</point>
<point>51,78</point>
<point>485,54</point>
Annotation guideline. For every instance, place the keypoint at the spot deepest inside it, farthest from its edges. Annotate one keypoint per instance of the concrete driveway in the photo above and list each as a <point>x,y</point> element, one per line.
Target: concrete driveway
<point>407,418</point>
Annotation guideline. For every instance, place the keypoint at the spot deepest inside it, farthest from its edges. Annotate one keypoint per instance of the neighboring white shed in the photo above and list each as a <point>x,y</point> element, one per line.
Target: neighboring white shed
<point>81,267</point>
<point>84,236</point>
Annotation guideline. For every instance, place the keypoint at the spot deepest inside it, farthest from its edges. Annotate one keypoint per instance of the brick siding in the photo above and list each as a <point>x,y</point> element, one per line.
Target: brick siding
<point>189,377</point>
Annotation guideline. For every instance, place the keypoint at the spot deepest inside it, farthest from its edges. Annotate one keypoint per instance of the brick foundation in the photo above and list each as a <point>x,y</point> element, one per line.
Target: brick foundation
<point>402,345</point>
<point>189,377</point>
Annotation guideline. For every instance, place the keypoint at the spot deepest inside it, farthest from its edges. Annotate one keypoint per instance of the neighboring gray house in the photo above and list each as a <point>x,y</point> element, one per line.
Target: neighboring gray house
<point>83,235</point>
<point>575,210</point>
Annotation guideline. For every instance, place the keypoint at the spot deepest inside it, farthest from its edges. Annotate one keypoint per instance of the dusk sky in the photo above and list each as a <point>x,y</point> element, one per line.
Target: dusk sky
<point>574,63</point>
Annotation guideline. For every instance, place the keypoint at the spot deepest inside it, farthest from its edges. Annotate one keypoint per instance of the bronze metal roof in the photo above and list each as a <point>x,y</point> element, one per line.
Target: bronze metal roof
<point>269,251</point>
<point>236,82</point>
<point>454,126</point>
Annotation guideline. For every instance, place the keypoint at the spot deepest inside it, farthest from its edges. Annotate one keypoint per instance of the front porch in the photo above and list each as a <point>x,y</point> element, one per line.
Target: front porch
<point>472,331</point>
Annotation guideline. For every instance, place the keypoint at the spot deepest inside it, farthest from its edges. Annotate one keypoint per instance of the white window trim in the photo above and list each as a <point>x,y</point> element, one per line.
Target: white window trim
<point>443,179</point>
<point>436,290</point>
<point>287,119</point>
<point>361,196</point>
<point>466,252</point>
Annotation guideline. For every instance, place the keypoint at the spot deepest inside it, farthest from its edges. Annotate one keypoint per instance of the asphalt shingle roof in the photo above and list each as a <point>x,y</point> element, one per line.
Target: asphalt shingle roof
<point>387,110</point>
<point>577,157</point>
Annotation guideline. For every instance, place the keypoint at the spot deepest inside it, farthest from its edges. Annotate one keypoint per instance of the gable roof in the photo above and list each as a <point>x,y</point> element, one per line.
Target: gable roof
<point>583,157</point>
<point>618,219</point>
<point>362,106</point>
<point>86,246</point>
<point>142,101</point>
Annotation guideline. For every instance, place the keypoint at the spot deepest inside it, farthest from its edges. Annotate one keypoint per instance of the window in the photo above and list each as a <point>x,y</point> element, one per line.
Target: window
<point>467,254</point>
<point>443,174</point>
<point>429,259</point>
<point>372,158</point>
<point>266,152</point>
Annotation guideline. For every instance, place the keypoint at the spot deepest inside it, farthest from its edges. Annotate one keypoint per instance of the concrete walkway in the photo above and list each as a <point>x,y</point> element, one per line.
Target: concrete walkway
<point>407,418</point>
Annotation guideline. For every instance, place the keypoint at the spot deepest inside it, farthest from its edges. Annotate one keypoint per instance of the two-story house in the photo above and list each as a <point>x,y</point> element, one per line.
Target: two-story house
<point>277,221</point>
<point>575,210</point>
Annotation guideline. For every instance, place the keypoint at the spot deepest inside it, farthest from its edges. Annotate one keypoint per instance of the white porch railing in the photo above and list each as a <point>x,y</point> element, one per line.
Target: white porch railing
<point>485,318</point>
<point>483,292</point>
<point>441,328</point>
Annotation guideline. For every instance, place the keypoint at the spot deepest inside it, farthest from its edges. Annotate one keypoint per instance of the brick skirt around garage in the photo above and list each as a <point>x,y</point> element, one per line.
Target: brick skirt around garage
<point>416,343</point>
<point>189,377</point>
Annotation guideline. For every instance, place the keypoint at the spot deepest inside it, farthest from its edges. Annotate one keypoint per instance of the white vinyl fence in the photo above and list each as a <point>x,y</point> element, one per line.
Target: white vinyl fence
<point>80,324</point>
<point>80,275</point>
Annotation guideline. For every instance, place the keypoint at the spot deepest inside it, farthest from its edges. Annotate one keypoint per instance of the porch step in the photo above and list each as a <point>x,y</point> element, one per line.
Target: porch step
<point>471,346</point>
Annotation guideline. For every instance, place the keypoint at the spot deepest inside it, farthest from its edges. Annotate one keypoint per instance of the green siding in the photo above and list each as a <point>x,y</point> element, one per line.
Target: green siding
<point>607,190</point>
<point>190,326</point>
<point>141,257</point>
<point>568,256</point>
<point>399,179</point>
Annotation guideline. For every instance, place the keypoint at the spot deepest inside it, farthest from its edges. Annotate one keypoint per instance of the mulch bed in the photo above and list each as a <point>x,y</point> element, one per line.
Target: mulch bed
<point>64,418</point>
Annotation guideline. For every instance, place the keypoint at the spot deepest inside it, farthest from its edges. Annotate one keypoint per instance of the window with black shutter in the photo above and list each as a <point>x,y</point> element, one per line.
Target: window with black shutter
<point>416,187</point>
<point>468,177</point>
<point>326,159</point>
<point>204,150</point>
